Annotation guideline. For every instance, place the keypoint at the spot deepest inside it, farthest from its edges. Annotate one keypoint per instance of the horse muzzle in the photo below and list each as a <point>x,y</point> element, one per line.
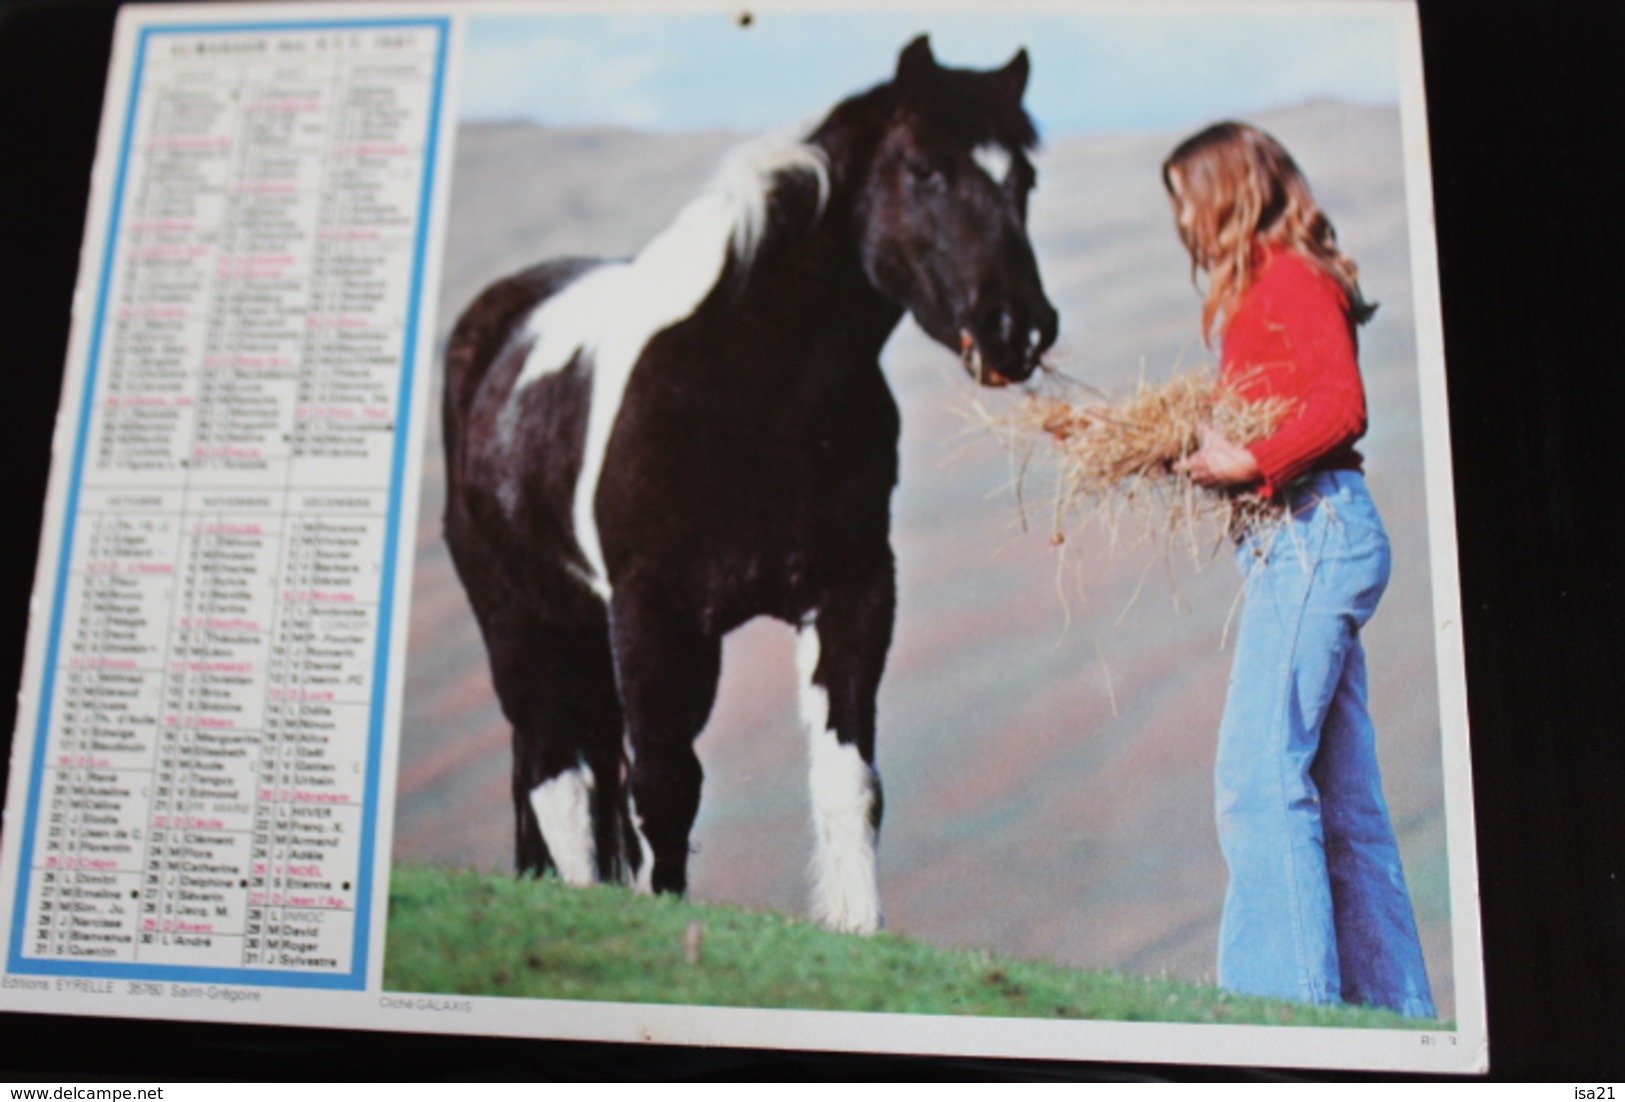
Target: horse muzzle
<point>1006,348</point>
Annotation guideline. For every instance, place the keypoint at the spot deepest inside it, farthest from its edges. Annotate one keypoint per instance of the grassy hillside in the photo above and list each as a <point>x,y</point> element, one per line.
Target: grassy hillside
<point>490,934</point>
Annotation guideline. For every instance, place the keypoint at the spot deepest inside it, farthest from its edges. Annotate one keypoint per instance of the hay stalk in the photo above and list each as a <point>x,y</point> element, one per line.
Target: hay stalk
<point>1113,459</point>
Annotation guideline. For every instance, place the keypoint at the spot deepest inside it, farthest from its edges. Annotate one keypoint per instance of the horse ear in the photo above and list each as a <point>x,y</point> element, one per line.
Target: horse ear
<point>915,62</point>
<point>1013,77</point>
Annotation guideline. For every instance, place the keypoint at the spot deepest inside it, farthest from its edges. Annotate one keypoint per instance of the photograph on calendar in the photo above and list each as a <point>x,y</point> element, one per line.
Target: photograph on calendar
<point>941,512</point>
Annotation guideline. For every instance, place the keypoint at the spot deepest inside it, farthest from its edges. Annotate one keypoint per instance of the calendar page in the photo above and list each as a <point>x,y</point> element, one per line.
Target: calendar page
<point>528,478</point>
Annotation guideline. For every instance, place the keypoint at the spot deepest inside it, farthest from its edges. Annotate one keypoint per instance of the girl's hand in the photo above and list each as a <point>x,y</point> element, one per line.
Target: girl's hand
<point>1217,462</point>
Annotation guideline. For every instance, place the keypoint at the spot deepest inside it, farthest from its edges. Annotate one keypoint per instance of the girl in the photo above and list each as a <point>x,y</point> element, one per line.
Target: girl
<point>1317,909</point>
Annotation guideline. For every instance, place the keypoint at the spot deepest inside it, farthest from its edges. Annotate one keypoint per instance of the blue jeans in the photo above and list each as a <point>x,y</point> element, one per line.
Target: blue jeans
<point>1317,909</point>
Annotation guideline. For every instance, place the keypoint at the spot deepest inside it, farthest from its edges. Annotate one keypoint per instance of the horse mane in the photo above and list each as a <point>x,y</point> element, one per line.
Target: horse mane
<point>749,178</point>
<point>615,308</point>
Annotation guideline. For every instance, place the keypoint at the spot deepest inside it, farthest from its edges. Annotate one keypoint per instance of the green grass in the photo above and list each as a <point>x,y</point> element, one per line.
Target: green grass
<point>456,932</point>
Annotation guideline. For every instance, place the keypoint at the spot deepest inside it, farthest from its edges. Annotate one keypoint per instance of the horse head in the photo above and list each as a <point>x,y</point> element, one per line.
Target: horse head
<point>942,214</point>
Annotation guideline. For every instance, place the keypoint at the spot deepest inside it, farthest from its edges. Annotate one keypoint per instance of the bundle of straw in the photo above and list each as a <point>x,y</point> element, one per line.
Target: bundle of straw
<point>1116,456</point>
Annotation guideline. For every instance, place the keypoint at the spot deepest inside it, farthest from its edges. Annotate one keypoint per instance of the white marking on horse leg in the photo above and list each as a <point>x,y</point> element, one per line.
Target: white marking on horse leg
<point>563,809</point>
<point>845,790</point>
<point>846,889</point>
<point>643,881</point>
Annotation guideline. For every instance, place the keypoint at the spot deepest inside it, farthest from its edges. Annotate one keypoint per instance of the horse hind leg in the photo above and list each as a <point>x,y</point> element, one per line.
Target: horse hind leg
<point>557,689</point>
<point>569,807</point>
<point>530,854</point>
<point>840,658</point>
<point>614,838</point>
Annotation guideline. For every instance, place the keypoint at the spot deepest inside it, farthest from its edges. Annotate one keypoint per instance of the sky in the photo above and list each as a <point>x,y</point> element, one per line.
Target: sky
<point>1095,69</point>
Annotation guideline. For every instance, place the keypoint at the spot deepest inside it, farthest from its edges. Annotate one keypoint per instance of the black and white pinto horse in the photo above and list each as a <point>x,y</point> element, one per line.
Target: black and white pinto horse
<point>644,454</point>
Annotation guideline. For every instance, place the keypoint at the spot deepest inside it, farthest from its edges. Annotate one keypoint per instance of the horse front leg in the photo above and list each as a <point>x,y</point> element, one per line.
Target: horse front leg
<point>841,655</point>
<point>668,670</point>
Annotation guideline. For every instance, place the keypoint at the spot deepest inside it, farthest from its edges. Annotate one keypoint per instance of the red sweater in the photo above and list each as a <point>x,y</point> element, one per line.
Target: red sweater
<point>1292,337</point>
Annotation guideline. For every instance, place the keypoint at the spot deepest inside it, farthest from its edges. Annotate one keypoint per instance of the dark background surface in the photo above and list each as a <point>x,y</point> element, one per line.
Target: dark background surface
<point>1526,124</point>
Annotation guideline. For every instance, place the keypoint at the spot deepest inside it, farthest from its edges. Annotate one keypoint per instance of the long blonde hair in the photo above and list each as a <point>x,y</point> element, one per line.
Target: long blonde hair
<point>1243,190</point>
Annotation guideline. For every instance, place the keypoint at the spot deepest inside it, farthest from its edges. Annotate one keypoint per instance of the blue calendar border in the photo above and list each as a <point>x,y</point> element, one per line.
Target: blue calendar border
<point>356,978</point>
